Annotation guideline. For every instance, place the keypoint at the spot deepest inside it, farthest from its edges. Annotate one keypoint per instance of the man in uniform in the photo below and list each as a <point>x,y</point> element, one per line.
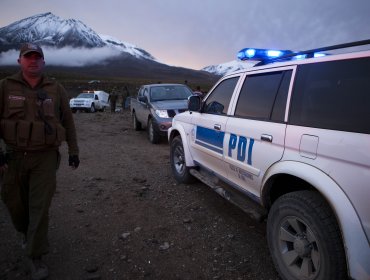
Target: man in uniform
<point>34,119</point>
<point>113,100</point>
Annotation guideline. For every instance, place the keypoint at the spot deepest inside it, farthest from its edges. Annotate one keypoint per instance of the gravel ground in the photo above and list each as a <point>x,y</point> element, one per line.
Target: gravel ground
<point>121,215</point>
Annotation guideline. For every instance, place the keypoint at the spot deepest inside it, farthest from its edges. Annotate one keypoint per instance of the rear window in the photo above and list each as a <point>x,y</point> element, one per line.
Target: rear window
<point>333,95</point>
<point>169,92</point>
<point>263,96</point>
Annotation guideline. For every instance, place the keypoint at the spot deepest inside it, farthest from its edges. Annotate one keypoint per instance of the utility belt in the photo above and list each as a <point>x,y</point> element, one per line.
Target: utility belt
<point>32,135</point>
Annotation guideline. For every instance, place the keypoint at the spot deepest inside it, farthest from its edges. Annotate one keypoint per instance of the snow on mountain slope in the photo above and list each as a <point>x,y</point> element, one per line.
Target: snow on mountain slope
<point>229,67</point>
<point>126,47</point>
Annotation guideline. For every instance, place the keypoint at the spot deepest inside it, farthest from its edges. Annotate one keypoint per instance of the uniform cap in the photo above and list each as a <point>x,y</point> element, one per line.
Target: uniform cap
<point>30,47</point>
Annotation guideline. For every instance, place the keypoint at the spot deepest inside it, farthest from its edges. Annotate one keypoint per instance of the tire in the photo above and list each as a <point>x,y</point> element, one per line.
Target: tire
<point>153,135</point>
<point>178,166</point>
<point>92,108</point>
<point>304,238</point>
<point>135,122</point>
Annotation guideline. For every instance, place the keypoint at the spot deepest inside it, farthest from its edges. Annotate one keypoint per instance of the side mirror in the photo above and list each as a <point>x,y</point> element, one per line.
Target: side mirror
<point>194,103</point>
<point>143,99</point>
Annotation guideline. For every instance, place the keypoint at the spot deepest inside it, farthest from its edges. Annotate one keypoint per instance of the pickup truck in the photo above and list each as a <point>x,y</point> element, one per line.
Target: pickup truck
<point>155,105</point>
<point>90,101</point>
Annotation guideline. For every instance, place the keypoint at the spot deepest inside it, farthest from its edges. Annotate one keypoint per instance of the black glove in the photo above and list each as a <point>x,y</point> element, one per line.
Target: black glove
<point>74,161</point>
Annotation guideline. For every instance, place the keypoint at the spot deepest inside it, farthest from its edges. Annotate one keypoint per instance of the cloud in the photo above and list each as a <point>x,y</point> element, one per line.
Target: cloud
<point>73,57</point>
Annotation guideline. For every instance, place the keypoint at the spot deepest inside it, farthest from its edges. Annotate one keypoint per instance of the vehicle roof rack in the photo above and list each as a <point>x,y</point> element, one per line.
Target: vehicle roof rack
<point>310,53</point>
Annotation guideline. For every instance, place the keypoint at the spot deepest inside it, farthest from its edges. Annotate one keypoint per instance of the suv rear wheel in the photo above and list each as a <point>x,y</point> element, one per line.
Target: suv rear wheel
<point>304,238</point>
<point>177,157</point>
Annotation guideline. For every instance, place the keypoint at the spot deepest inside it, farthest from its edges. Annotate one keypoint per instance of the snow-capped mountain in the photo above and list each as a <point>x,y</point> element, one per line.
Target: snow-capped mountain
<point>50,30</point>
<point>71,46</point>
<point>228,67</point>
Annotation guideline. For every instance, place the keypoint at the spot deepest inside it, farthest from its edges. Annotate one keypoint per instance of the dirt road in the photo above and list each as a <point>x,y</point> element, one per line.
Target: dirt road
<point>121,215</point>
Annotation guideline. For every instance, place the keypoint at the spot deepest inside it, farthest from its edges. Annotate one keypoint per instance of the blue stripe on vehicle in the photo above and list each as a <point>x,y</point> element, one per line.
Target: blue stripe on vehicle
<point>210,136</point>
<point>210,139</point>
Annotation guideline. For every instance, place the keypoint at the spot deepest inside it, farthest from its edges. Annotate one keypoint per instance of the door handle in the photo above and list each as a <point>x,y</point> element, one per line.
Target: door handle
<point>266,137</point>
<point>217,126</point>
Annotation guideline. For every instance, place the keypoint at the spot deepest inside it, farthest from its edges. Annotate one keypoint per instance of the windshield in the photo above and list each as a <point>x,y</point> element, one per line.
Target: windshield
<point>158,93</point>
<point>85,95</point>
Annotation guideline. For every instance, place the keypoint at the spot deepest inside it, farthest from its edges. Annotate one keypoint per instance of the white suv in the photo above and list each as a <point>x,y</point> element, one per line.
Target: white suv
<point>290,141</point>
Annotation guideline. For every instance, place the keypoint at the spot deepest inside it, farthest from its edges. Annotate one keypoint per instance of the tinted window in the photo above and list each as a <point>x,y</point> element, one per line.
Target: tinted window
<point>263,96</point>
<point>333,95</point>
<point>218,101</point>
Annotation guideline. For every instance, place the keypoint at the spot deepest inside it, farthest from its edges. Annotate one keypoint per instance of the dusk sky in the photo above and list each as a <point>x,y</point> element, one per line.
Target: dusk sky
<point>198,33</point>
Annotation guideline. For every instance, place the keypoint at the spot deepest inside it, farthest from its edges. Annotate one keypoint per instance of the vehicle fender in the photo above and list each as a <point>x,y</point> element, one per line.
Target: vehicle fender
<point>358,252</point>
<point>174,130</point>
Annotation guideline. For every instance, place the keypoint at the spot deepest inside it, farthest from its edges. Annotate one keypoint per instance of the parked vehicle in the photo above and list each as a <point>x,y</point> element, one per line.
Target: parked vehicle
<point>155,105</point>
<point>90,101</point>
<point>289,141</point>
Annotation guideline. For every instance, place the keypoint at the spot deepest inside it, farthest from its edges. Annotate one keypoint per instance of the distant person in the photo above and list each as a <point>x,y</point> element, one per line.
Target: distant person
<point>198,92</point>
<point>35,118</point>
<point>124,97</point>
<point>113,101</point>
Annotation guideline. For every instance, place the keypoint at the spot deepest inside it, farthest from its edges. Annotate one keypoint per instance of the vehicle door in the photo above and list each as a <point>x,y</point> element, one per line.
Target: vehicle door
<point>208,132</point>
<point>142,105</point>
<point>97,102</point>
<point>255,133</point>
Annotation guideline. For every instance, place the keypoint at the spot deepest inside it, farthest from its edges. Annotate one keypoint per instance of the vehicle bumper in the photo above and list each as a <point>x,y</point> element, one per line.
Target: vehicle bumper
<point>163,125</point>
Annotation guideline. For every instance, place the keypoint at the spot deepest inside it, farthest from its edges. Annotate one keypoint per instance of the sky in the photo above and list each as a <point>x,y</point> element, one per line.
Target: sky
<point>198,33</point>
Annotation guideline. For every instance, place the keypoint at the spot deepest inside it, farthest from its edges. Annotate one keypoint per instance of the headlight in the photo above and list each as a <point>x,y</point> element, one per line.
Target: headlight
<point>162,113</point>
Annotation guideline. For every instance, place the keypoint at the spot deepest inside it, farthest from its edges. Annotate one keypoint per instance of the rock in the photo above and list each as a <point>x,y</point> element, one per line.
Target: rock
<point>91,268</point>
<point>125,235</point>
<point>137,229</point>
<point>164,246</point>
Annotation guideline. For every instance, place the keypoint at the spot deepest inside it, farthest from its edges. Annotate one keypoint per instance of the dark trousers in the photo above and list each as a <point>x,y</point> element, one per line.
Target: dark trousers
<point>28,186</point>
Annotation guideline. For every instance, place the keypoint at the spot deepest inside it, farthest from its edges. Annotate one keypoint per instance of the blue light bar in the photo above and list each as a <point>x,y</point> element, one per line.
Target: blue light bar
<point>261,54</point>
<point>304,56</point>
<point>319,54</point>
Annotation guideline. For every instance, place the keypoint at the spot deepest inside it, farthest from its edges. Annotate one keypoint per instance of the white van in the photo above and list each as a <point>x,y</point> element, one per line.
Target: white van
<point>90,101</point>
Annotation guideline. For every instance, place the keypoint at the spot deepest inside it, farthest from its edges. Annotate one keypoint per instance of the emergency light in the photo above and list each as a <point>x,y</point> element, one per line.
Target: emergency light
<point>261,54</point>
<point>303,56</point>
<point>265,56</point>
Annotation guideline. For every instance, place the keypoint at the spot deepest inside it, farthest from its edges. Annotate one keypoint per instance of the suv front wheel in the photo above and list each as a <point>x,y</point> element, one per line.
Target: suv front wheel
<point>153,135</point>
<point>304,238</point>
<point>177,157</point>
<point>92,108</point>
